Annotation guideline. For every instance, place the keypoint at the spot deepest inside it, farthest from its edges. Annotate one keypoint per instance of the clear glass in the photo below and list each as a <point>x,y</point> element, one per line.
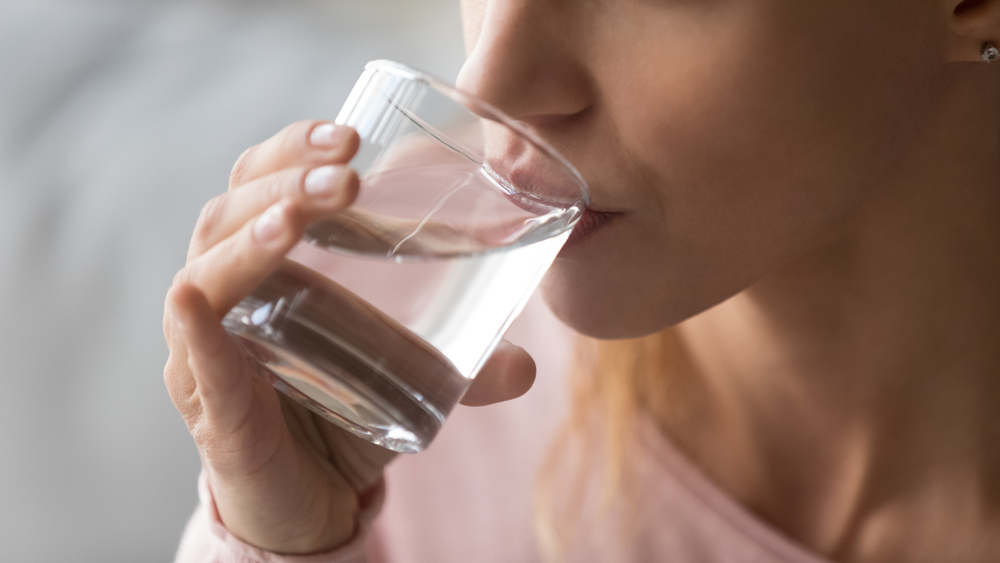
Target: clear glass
<point>380,318</point>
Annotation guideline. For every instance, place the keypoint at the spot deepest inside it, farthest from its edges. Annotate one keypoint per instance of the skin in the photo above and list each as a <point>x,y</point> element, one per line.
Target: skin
<point>822,178</point>
<point>808,191</point>
<point>282,478</point>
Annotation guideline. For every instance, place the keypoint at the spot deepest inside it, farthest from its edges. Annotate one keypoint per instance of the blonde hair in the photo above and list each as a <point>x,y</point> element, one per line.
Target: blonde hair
<point>612,383</point>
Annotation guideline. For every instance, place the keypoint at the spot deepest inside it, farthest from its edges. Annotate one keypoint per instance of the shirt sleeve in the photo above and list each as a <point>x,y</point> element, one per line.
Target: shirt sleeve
<point>206,539</point>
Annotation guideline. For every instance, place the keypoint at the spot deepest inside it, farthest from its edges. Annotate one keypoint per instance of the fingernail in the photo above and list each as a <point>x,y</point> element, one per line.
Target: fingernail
<point>268,225</point>
<point>323,181</point>
<point>327,135</point>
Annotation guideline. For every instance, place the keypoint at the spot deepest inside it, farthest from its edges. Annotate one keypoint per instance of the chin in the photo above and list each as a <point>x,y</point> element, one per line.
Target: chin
<point>627,299</point>
<point>606,313</point>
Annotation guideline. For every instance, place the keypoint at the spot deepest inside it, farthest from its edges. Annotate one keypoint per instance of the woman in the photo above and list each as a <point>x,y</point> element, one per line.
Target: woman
<point>794,222</point>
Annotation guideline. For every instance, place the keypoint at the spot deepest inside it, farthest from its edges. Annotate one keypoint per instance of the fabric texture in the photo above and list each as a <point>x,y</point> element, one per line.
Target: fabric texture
<point>208,540</point>
<point>469,496</point>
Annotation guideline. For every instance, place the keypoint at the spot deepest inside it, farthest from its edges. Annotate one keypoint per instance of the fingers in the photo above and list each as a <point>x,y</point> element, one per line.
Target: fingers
<point>508,374</point>
<point>231,269</point>
<point>204,290</point>
<point>306,143</point>
<point>317,192</point>
<point>216,369</point>
<point>234,416</point>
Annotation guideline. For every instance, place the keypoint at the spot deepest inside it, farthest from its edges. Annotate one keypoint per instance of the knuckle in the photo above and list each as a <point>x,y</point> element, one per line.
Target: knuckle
<point>241,169</point>
<point>294,135</point>
<point>287,183</point>
<point>209,218</point>
<point>297,177</point>
<point>300,131</point>
<point>279,185</point>
<point>167,316</point>
<point>297,128</point>
<point>172,371</point>
<point>184,275</point>
<point>182,388</point>
<point>167,327</point>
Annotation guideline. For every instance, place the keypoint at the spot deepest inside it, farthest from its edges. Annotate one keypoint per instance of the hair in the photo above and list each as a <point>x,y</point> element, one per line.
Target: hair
<point>613,383</point>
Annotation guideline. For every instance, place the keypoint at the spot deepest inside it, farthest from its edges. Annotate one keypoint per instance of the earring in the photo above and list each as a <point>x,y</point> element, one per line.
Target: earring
<point>990,52</point>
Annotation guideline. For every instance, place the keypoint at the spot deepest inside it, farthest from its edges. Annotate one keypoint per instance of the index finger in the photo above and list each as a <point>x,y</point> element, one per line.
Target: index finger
<point>305,143</point>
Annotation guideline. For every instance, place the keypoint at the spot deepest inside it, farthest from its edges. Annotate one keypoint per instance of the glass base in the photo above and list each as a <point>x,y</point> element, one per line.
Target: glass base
<point>347,361</point>
<point>339,402</point>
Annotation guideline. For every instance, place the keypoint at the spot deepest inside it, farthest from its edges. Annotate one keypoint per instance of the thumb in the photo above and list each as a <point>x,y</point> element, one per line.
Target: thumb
<point>507,375</point>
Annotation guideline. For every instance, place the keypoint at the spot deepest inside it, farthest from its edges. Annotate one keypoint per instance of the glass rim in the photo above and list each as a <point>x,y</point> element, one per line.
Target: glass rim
<point>491,111</point>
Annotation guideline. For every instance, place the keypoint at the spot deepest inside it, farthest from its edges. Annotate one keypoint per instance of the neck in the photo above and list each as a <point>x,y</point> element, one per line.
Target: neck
<point>853,397</point>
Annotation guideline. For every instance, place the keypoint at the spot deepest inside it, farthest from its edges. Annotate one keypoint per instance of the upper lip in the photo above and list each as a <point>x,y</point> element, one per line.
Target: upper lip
<point>535,173</point>
<point>529,181</point>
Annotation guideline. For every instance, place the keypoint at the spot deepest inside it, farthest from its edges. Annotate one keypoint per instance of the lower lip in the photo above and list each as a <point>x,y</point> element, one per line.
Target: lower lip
<point>591,222</point>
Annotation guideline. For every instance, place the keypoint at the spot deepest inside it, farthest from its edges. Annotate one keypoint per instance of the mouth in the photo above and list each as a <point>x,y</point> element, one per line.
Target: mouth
<point>590,222</point>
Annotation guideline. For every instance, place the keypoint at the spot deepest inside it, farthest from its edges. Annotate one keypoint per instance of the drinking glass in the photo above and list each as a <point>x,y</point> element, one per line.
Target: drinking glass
<point>379,319</point>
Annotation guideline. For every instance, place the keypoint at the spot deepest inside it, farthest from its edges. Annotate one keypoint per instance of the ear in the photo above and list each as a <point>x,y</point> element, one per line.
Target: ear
<point>973,24</point>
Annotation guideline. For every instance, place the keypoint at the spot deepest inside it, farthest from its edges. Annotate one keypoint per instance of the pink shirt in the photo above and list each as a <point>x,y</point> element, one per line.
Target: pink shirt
<point>469,496</point>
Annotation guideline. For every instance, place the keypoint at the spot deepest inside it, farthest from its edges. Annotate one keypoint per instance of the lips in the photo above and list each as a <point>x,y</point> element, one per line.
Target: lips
<point>541,182</point>
<point>591,222</point>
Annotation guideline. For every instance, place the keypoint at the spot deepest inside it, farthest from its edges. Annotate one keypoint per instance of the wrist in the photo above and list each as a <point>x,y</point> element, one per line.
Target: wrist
<point>297,525</point>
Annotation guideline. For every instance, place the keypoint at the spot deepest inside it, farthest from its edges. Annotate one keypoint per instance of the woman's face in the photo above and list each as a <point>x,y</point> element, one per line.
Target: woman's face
<point>722,138</point>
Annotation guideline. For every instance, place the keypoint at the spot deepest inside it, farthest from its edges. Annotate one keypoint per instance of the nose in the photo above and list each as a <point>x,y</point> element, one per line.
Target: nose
<point>524,62</point>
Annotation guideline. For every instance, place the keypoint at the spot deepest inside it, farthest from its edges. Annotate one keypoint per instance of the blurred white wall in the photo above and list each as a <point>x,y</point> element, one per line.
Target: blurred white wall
<point>118,120</point>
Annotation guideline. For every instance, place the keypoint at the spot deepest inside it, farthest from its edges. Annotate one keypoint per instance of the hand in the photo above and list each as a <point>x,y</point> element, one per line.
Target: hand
<point>283,478</point>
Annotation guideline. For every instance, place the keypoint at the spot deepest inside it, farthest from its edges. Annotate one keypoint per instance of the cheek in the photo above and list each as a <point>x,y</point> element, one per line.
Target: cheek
<point>756,133</point>
<point>778,125</point>
<point>774,114</point>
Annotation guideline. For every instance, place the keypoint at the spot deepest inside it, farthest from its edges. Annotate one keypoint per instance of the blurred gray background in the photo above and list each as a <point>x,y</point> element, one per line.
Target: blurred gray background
<point>118,120</point>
